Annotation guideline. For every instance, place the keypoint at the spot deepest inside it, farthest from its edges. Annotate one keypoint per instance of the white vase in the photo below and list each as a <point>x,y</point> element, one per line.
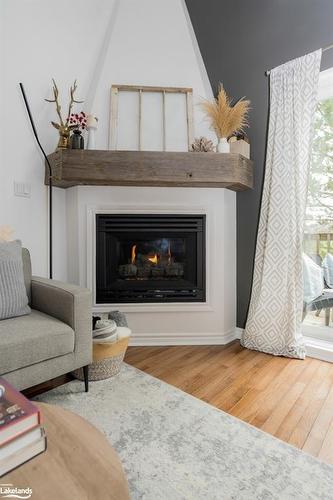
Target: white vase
<point>91,128</point>
<point>223,145</point>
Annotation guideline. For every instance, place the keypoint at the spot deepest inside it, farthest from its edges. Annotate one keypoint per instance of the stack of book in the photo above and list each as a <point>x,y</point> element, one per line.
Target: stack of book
<point>22,436</point>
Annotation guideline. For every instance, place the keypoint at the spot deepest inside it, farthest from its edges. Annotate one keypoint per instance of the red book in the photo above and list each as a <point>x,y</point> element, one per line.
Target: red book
<point>17,413</point>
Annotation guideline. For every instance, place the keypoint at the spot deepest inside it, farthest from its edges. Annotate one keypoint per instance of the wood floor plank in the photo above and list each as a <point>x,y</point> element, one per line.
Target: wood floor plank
<point>218,378</point>
<point>278,415</point>
<point>157,363</point>
<point>207,357</point>
<point>259,400</point>
<point>301,432</point>
<point>234,388</point>
<point>326,451</point>
<point>317,434</point>
<point>137,354</point>
<point>272,413</point>
<point>291,399</point>
<point>292,417</point>
<point>175,370</point>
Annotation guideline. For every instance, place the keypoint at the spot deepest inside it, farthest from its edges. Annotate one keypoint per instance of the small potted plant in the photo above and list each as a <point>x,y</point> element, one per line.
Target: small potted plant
<point>78,123</point>
<point>226,118</point>
<point>202,144</point>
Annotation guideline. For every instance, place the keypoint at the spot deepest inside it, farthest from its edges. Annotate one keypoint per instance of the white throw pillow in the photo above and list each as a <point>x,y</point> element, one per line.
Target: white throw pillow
<point>328,270</point>
<point>313,279</point>
<point>13,295</point>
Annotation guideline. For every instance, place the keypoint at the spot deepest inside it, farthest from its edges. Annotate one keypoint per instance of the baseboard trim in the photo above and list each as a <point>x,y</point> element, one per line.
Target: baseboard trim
<point>155,339</point>
<point>315,348</point>
<point>239,332</point>
<point>319,349</point>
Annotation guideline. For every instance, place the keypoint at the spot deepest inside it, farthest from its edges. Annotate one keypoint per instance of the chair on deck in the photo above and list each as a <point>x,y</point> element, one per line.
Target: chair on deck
<point>324,301</point>
<point>314,280</point>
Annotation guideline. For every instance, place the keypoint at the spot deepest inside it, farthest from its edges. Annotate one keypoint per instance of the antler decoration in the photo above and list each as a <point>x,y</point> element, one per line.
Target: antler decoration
<point>72,91</point>
<point>63,127</point>
<point>58,107</point>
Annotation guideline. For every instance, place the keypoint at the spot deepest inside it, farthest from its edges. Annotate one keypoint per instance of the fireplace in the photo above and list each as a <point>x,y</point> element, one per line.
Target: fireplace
<point>150,258</point>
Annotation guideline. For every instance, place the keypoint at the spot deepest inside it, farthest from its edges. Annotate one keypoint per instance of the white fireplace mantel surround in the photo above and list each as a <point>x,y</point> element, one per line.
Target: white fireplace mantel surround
<point>199,323</point>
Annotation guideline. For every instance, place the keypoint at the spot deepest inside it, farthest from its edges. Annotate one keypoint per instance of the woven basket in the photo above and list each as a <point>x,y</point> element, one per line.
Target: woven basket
<point>107,360</point>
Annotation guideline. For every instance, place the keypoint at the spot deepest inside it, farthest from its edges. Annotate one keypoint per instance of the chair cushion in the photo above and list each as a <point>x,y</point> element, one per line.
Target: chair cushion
<point>313,279</point>
<point>27,340</point>
<point>328,270</point>
<point>13,294</point>
<point>324,301</point>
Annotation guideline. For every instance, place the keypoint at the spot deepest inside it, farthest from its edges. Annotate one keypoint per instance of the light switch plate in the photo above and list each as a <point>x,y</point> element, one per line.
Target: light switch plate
<point>22,189</point>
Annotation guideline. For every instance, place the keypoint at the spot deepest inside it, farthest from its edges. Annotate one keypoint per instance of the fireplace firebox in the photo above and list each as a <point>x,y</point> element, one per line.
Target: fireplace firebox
<point>150,258</point>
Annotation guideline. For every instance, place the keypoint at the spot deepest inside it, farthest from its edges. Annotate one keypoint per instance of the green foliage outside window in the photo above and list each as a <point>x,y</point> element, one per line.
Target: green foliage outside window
<point>319,212</point>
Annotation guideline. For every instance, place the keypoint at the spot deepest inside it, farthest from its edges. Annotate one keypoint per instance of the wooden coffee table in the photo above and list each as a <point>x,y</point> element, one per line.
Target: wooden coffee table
<point>79,463</point>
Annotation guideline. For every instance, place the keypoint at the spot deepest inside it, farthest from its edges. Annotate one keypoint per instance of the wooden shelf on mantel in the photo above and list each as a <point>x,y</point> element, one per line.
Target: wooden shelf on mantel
<point>150,168</point>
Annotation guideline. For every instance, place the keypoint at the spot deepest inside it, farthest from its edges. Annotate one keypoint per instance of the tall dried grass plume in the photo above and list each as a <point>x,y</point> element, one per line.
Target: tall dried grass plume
<point>226,118</point>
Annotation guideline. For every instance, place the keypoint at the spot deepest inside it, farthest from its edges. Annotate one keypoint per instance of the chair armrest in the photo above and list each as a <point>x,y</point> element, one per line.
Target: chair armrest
<point>71,304</point>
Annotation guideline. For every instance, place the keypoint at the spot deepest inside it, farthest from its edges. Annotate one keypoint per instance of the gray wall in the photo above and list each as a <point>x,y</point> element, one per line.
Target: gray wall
<point>239,40</point>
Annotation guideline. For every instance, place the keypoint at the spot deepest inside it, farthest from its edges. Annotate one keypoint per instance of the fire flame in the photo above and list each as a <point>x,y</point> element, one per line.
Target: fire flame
<point>133,254</point>
<point>154,259</point>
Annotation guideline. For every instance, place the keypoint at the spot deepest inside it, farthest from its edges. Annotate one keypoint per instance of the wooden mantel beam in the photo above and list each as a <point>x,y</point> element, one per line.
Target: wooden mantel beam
<point>150,168</point>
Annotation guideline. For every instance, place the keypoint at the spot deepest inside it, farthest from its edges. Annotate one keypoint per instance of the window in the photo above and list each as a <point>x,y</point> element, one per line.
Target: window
<point>318,234</point>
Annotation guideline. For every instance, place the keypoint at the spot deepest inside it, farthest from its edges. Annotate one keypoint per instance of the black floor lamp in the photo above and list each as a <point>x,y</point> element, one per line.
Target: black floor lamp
<point>50,179</point>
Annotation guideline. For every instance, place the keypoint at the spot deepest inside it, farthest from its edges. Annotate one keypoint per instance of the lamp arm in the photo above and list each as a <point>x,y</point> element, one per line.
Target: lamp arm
<point>50,179</point>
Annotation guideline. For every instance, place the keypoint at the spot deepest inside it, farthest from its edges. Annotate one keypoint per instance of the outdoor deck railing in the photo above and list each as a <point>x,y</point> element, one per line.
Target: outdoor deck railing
<point>318,243</point>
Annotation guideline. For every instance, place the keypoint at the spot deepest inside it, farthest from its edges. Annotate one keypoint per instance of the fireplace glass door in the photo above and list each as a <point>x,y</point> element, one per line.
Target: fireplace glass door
<point>150,258</point>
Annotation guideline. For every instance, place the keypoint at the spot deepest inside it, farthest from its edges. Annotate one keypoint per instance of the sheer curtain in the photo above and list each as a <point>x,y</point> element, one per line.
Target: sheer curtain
<point>274,319</point>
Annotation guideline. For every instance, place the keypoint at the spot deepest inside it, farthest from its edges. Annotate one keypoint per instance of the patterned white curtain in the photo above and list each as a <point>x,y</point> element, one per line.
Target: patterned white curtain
<point>274,320</point>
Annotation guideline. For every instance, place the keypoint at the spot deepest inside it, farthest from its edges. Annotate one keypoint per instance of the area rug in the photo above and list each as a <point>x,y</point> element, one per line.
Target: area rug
<point>174,446</point>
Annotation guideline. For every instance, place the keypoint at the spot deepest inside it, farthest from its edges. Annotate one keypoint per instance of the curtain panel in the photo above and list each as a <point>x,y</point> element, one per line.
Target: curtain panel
<point>275,313</point>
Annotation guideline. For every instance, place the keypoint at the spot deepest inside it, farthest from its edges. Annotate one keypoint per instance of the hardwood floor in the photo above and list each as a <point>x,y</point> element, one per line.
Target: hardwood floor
<point>290,399</point>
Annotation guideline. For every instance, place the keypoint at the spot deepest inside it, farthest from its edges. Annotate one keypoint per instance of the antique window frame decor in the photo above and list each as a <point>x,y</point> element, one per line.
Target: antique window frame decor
<point>140,90</point>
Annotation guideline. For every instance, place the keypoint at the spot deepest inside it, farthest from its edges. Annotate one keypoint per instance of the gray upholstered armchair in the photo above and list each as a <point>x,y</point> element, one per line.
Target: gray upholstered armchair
<point>51,341</point>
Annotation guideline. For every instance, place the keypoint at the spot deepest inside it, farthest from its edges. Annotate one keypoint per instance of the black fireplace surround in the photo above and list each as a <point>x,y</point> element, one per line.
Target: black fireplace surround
<point>150,258</point>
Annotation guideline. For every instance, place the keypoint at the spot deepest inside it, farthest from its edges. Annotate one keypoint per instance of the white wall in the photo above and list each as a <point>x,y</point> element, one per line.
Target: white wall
<point>150,43</point>
<point>40,42</point>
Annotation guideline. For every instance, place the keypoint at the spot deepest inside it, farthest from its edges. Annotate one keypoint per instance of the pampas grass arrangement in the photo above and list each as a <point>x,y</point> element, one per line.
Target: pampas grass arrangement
<point>225,118</point>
